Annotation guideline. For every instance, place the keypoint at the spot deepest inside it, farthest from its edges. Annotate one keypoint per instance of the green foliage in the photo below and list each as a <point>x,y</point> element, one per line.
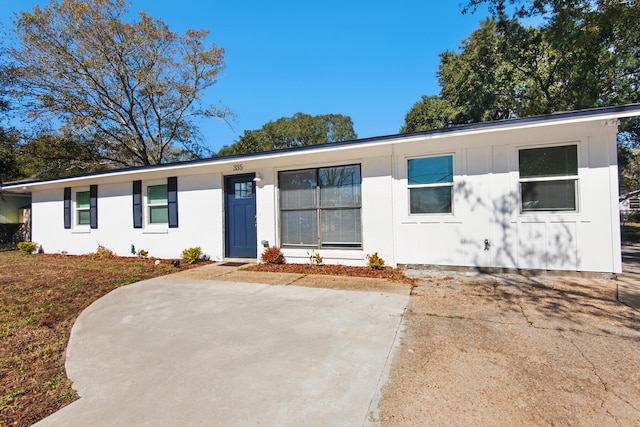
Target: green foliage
<point>272,255</point>
<point>375,262</point>
<point>50,155</point>
<point>431,112</point>
<point>102,252</point>
<point>582,54</point>
<point>9,167</point>
<point>290,132</point>
<point>628,169</point>
<point>192,255</point>
<point>315,257</point>
<point>133,88</point>
<point>27,247</point>
<point>579,54</point>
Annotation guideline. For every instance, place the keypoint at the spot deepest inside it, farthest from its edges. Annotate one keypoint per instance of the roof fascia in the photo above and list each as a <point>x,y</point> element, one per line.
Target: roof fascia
<point>609,115</point>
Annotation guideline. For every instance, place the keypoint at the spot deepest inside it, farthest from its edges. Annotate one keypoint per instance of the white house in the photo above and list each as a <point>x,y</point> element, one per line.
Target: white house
<point>530,193</point>
<point>630,202</point>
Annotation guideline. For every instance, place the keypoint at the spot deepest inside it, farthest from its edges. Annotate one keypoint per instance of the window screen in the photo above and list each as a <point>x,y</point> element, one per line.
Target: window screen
<point>321,207</point>
<point>548,178</point>
<point>83,214</point>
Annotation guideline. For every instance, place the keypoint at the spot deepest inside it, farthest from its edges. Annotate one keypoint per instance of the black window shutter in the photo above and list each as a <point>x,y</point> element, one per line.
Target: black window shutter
<point>137,204</point>
<point>67,207</point>
<point>93,206</point>
<point>172,201</point>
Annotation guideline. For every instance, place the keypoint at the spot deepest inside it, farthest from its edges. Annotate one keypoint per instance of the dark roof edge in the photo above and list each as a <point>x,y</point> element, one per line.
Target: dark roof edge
<point>457,128</point>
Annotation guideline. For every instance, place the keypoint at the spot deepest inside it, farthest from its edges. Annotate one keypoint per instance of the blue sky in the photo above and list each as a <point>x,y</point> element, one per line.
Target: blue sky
<point>370,60</point>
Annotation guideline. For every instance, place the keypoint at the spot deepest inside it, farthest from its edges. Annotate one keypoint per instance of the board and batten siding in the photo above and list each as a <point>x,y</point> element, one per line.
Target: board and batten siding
<point>486,203</point>
<point>486,206</point>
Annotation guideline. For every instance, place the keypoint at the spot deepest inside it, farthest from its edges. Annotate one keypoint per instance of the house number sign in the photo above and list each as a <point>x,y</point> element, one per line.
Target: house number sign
<point>238,167</point>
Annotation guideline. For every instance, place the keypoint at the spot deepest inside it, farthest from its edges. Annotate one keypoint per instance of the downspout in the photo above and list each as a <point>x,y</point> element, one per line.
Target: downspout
<point>393,176</point>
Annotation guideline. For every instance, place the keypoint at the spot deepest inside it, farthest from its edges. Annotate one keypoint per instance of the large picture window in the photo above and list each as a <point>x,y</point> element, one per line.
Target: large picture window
<point>430,181</point>
<point>321,207</point>
<point>548,178</point>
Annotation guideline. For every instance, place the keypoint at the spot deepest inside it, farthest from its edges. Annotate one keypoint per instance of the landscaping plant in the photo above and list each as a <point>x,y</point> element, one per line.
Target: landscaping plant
<point>315,257</point>
<point>192,255</point>
<point>102,253</point>
<point>27,247</point>
<point>272,255</point>
<point>375,262</point>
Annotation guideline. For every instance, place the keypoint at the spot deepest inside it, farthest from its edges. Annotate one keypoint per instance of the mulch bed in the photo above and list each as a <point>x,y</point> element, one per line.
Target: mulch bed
<point>334,270</point>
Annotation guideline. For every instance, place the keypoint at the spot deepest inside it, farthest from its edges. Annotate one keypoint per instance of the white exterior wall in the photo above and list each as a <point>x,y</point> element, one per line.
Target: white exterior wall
<point>485,204</point>
<point>200,220</point>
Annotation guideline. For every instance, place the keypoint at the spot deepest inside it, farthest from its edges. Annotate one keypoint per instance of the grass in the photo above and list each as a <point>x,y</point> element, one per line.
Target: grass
<point>40,298</point>
<point>630,233</point>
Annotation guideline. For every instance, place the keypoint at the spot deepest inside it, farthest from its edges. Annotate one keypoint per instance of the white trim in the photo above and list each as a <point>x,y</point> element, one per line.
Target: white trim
<point>75,217</point>
<point>575,178</point>
<point>607,119</point>
<point>146,217</point>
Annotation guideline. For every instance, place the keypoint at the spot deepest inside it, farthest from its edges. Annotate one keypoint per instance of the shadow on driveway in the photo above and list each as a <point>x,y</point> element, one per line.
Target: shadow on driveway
<point>514,350</point>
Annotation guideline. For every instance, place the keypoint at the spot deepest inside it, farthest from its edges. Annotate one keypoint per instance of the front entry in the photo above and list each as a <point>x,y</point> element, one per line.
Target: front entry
<point>240,216</point>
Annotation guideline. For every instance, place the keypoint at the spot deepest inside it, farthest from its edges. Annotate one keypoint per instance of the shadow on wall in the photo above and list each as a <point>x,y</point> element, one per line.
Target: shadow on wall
<point>514,242</point>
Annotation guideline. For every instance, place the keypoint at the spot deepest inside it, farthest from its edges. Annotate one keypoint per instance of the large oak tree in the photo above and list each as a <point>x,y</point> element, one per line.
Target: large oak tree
<point>541,56</point>
<point>579,54</point>
<point>129,91</point>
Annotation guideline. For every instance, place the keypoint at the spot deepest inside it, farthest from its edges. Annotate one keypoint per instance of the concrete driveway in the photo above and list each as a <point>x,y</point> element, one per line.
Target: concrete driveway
<point>179,351</point>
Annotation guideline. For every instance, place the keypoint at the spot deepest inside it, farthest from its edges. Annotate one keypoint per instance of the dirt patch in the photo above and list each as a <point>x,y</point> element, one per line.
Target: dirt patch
<point>510,350</point>
<point>40,298</point>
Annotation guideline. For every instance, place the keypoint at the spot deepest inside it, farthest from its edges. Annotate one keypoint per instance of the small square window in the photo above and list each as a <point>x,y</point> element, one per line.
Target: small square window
<point>548,178</point>
<point>243,190</point>
<point>430,182</point>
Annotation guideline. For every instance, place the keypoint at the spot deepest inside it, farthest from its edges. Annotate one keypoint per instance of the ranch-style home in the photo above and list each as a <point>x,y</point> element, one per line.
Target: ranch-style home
<point>531,193</point>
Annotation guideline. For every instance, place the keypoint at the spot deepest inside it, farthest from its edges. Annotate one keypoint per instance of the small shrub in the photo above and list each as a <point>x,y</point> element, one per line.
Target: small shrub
<point>272,255</point>
<point>375,261</point>
<point>192,255</point>
<point>315,257</point>
<point>142,253</point>
<point>102,253</point>
<point>27,247</point>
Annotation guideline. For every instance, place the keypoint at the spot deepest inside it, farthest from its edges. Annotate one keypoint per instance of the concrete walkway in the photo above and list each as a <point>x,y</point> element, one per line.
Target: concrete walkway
<point>181,351</point>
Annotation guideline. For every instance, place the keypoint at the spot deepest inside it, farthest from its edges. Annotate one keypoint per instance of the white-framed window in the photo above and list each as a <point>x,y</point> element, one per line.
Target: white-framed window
<point>548,178</point>
<point>430,183</point>
<point>157,204</point>
<point>83,208</point>
<point>321,207</point>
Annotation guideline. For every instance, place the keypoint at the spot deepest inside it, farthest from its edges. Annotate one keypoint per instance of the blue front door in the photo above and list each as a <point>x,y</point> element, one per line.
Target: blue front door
<point>240,216</point>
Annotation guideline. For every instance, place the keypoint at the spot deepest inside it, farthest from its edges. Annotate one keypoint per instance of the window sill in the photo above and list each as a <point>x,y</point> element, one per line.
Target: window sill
<point>155,231</point>
<point>81,231</point>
